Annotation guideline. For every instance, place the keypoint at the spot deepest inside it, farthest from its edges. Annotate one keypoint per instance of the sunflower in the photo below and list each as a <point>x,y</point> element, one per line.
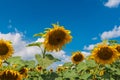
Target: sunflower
<point>51,70</point>
<point>10,75</point>
<point>6,49</point>
<point>60,69</point>
<point>56,37</point>
<point>101,73</point>
<point>24,72</point>
<point>77,57</point>
<point>104,54</point>
<point>39,68</point>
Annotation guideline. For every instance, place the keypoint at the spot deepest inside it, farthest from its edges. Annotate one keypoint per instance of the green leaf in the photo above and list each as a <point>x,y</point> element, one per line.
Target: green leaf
<point>49,56</point>
<point>49,76</point>
<point>67,64</point>
<point>15,60</point>
<point>118,71</point>
<point>38,35</point>
<point>70,74</point>
<point>90,63</point>
<point>85,76</point>
<point>35,44</point>
<point>59,78</point>
<point>38,57</point>
<point>30,63</point>
<point>81,66</point>
<point>45,62</point>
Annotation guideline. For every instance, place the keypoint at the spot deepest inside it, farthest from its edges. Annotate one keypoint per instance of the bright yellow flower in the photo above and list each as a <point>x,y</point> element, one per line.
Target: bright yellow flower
<point>10,75</point>
<point>104,54</point>
<point>51,70</point>
<point>77,57</point>
<point>39,68</point>
<point>6,49</point>
<point>101,73</point>
<point>56,38</point>
<point>60,69</point>
<point>24,72</point>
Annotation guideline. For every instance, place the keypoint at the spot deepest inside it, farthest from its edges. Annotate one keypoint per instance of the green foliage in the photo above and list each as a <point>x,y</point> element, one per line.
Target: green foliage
<point>49,76</point>
<point>16,60</point>
<point>35,44</point>
<point>38,35</point>
<point>47,61</point>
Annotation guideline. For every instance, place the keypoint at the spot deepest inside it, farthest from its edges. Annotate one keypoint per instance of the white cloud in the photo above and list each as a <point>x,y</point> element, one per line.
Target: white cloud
<point>20,45</point>
<point>111,34</point>
<point>86,53</point>
<point>61,55</point>
<point>40,40</point>
<point>90,47</point>
<point>112,3</point>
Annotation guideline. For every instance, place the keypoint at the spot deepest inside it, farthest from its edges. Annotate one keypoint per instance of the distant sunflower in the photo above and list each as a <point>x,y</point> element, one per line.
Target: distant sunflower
<point>56,37</point>
<point>39,68</point>
<point>104,54</point>
<point>6,49</point>
<point>24,72</point>
<point>77,57</point>
<point>60,69</point>
<point>10,75</point>
<point>51,70</point>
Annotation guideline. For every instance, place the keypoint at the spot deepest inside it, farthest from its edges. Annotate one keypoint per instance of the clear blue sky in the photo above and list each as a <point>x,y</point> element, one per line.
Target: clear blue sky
<point>86,19</point>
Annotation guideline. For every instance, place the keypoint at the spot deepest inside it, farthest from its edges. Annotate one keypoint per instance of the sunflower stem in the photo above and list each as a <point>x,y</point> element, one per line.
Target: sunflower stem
<point>44,53</point>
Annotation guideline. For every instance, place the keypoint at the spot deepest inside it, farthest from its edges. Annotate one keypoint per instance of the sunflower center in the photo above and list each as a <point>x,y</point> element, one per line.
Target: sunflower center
<point>3,49</point>
<point>39,68</point>
<point>118,48</point>
<point>56,37</point>
<point>77,58</point>
<point>105,53</point>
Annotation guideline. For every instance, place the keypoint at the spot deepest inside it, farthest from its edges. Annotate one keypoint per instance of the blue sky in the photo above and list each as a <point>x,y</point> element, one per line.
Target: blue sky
<point>90,21</point>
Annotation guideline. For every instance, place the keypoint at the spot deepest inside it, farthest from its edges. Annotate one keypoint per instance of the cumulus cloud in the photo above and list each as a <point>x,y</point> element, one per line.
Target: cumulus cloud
<point>20,45</point>
<point>90,47</point>
<point>111,34</point>
<point>86,53</point>
<point>112,3</point>
<point>61,55</point>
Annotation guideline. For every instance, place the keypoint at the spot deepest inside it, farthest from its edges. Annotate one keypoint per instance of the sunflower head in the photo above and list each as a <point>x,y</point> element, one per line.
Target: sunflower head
<point>39,68</point>
<point>24,72</point>
<point>56,37</point>
<point>101,73</point>
<point>60,69</point>
<point>77,57</point>
<point>6,49</point>
<point>51,70</point>
<point>10,75</point>
<point>104,54</point>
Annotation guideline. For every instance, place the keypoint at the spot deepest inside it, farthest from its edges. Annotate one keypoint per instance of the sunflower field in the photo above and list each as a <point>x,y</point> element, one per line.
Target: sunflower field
<point>102,64</point>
